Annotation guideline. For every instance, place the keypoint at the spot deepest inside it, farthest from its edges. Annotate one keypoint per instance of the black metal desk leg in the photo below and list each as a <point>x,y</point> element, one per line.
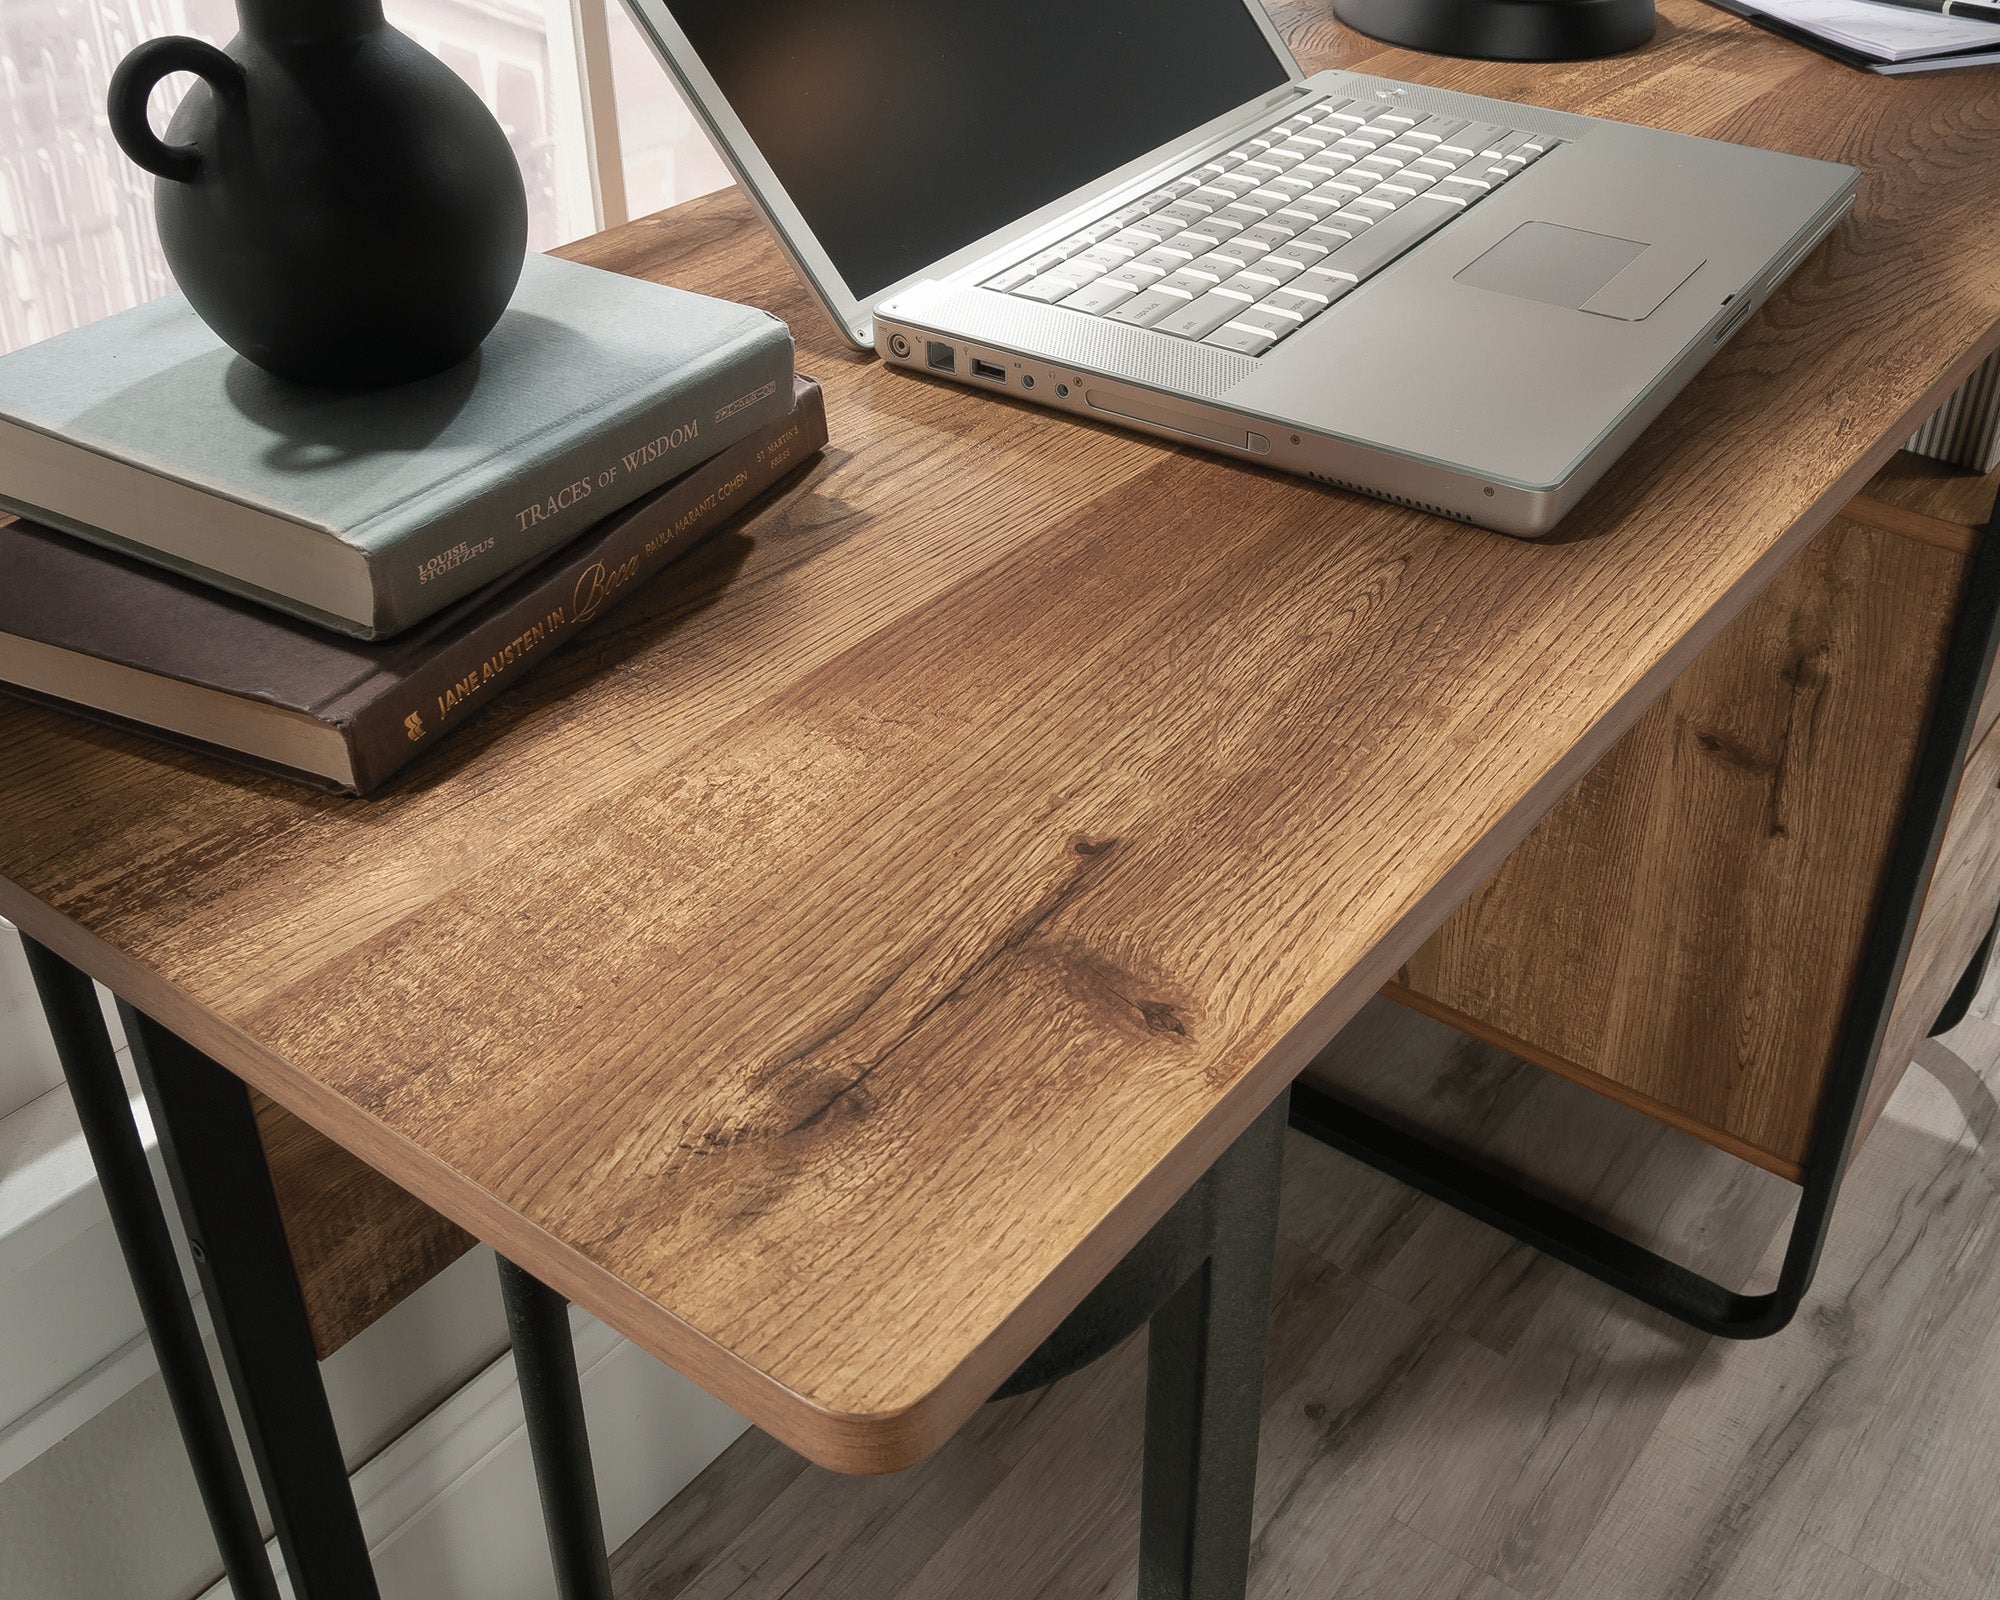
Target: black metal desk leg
<point>1205,1386</point>
<point>558,1437</point>
<point>215,1160</point>
<point>91,1067</point>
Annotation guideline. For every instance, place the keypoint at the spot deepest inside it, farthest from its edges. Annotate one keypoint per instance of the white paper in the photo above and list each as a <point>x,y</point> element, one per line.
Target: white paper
<point>1978,58</point>
<point>1885,32</point>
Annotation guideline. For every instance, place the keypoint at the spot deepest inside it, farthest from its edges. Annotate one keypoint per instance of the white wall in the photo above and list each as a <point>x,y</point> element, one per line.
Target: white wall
<point>77,240</point>
<point>108,1514</point>
<point>27,1058</point>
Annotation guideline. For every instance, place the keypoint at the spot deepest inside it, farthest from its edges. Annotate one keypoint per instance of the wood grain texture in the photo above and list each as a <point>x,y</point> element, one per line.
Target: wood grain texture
<point>1684,927</point>
<point>1935,489</point>
<point>1478,1027</point>
<point>360,1245</point>
<point>1946,505</point>
<point>1957,537</point>
<point>824,973</point>
<point>1449,1415</point>
<point>1652,992</point>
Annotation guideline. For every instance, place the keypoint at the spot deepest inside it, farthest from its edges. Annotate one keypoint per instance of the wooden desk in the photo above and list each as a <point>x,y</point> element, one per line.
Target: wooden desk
<point>1682,932</point>
<point>824,974</point>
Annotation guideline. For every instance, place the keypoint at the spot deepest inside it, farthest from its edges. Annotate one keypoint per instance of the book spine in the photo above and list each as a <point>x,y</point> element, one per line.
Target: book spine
<point>431,559</point>
<point>393,721</point>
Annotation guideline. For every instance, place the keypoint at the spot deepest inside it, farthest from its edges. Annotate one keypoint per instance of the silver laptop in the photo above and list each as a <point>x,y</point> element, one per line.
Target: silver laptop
<point>1143,212</point>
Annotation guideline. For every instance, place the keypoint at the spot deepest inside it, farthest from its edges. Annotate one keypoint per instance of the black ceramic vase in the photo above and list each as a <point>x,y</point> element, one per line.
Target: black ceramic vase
<point>336,203</point>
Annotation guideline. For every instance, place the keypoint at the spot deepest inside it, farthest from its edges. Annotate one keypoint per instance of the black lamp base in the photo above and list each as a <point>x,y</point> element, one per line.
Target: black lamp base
<point>1505,30</point>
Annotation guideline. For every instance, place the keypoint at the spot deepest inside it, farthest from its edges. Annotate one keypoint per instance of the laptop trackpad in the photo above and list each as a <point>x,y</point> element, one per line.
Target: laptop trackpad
<point>1622,278</point>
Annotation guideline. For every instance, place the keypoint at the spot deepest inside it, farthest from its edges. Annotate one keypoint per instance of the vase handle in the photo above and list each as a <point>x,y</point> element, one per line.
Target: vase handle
<point>132,87</point>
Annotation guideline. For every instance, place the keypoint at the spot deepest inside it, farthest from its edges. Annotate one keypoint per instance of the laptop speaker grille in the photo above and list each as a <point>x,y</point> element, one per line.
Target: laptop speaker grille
<point>1384,494</point>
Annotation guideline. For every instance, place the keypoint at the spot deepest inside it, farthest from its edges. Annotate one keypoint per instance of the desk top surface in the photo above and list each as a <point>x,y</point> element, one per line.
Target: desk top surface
<point>824,971</point>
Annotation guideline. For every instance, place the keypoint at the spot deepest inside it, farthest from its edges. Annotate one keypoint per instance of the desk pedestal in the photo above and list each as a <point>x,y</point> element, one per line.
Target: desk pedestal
<point>1820,899</point>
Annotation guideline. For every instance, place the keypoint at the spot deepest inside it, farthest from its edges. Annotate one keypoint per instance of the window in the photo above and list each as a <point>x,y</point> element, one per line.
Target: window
<point>598,128</point>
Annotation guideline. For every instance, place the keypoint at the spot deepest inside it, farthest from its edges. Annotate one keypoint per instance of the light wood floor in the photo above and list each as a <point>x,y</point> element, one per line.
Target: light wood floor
<point>1449,1416</point>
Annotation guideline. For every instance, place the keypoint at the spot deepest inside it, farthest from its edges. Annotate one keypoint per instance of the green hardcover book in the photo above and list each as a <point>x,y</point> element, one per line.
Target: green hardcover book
<point>367,512</point>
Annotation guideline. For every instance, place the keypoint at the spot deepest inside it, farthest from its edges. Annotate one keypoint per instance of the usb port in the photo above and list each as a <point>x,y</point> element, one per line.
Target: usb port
<point>990,370</point>
<point>942,357</point>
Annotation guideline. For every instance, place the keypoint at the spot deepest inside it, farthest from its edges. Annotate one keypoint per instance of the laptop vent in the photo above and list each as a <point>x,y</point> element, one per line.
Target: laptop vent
<point>1384,494</point>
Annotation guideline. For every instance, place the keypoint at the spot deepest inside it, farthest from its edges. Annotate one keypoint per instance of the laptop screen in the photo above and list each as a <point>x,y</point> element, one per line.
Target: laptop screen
<point>904,130</point>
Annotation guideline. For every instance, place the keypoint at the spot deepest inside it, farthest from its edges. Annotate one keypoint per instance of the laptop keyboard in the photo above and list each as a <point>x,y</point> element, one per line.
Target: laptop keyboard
<point>1251,246</point>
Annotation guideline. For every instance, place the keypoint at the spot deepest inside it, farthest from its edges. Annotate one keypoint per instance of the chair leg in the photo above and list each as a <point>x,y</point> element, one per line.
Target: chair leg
<point>215,1161</point>
<point>1205,1386</point>
<point>91,1068</point>
<point>558,1436</point>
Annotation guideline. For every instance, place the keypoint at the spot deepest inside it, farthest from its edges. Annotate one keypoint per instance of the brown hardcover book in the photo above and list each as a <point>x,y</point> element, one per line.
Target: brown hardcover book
<point>133,644</point>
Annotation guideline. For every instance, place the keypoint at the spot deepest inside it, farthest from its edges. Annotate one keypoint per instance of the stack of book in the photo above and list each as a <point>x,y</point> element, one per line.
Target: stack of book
<point>324,584</point>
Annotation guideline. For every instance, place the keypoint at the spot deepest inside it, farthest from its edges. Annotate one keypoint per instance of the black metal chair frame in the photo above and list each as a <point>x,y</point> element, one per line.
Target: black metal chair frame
<point>1556,1229</point>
